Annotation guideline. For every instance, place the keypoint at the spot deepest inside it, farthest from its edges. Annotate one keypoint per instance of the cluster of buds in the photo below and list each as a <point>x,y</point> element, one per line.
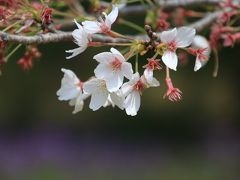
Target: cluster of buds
<point>26,62</point>
<point>107,86</point>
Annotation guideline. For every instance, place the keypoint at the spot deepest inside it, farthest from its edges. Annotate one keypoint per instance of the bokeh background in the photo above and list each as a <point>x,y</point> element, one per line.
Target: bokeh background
<point>195,139</point>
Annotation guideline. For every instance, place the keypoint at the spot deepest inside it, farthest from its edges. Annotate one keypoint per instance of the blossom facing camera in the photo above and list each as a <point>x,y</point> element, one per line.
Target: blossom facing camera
<point>112,68</point>
<point>103,25</point>
<point>81,38</point>
<point>173,39</point>
<point>100,95</point>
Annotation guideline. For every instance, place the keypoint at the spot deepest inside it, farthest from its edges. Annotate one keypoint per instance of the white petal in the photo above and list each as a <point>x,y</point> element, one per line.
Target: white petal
<point>148,74</point>
<point>198,65</point>
<point>90,86</point>
<point>69,88</point>
<point>119,55</point>
<point>91,27</point>
<point>168,36</point>
<point>132,103</point>
<point>104,57</point>
<point>170,59</point>
<point>98,100</point>
<point>185,36</point>
<point>112,16</point>
<point>126,89</point>
<point>80,37</point>
<point>114,82</point>
<point>78,105</point>
<point>103,71</point>
<point>75,52</point>
<point>127,70</point>
<point>154,83</point>
<point>117,99</point>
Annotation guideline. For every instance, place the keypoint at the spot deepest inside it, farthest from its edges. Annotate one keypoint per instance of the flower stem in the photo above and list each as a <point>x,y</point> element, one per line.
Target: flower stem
<point>167,73</point>
<point>12,25</point>
<point>136,63</point>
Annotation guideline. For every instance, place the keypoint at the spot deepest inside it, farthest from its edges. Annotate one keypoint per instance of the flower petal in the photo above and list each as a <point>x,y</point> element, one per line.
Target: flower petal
<point>168,36</point>
<point>98,99</point>
<point>112,16</point>
<point>170,59</point>
<point>119,55</point>
<point>75,52</point>
<point>114,82</point>
<point>117,99</point>
<point>91,27</point>
<point>90,86</point>
<point>127,70</point>
<point>132,103</point>
<point>148,74</point>
<point>185,36</point>
<point>104,57</point>
<point>103,71</point>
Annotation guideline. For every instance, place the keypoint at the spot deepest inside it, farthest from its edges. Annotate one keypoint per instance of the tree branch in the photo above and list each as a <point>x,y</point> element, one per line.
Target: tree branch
<point>67,36</point>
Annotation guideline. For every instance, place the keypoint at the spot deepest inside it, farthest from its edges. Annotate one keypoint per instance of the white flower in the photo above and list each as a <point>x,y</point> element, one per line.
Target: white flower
<point>175,38</point>
<point>71,89</point>
<point>112,68</point>
<point>131,90</point>
<point>99,94</point>
<point>81,38</point>
<point>102,26</point>
<point>153,64</point>
<point>200,42</point>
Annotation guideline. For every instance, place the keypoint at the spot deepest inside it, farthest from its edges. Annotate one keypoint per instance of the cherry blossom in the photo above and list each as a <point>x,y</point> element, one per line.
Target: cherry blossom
<point>102,26</point>
<point>153,64</point>
<point>71,89</point>
<point>100,95</point>
<point>81,38</point>
<point>201,49</point>
<point>132,91</point>
<point>112,68</point>
<point>173,39</point>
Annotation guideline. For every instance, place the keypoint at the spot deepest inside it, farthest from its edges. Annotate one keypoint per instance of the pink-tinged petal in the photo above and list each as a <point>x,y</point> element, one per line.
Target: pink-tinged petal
<point>185,36</point>
<point>75,52</point>
<point>127,70</point>
<point>132,103</point>
<point>119,55</point>
<point>91,27</point>
<point>114,82</point>
<point>104,57</point>
<point>117,99</point>
<point>168,36</point>
<point>112,16</point>
<point>170,59</point>
<point>90,86</point>
<point>98,99</point>
<point>103,71</point>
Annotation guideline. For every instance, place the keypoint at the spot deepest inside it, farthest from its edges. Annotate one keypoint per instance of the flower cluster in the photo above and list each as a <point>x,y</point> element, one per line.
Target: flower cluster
<point>108,86</point>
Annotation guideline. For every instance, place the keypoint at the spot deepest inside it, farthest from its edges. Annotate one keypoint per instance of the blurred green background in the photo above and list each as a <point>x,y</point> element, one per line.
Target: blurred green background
<point>197,138</point>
